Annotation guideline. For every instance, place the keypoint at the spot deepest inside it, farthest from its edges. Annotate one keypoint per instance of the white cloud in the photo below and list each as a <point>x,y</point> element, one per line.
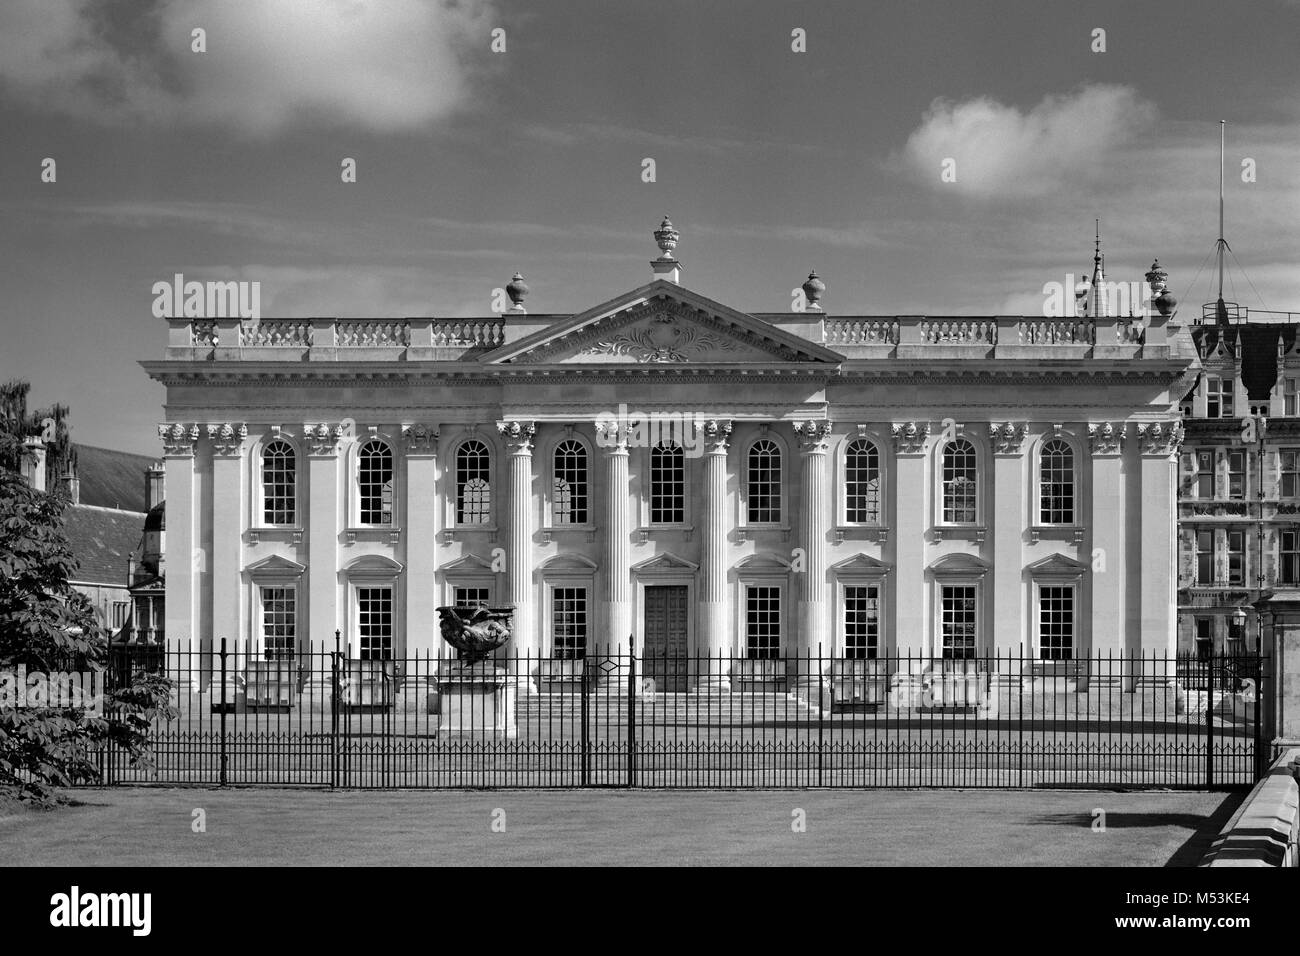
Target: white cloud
<point>1001,152</point>
<point>390,65</point>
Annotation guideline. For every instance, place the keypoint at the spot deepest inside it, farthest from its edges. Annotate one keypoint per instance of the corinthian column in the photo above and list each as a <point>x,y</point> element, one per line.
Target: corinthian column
<point>612,437</point>
<point>715,623</point>
<point>814,638</point>
<point>518,437</point>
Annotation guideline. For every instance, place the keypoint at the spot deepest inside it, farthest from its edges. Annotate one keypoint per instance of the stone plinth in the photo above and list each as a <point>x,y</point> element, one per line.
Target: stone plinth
<point>476,699</point>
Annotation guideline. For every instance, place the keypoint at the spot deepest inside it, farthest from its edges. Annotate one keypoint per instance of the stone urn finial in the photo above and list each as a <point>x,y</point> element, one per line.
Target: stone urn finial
<point>813,289</point>
<point>666,237</point>
<point>517,290</point>
<point>475,631</point>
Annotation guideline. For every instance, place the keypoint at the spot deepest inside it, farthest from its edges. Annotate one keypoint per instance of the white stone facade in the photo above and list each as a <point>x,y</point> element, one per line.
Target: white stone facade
<point>850,486</point>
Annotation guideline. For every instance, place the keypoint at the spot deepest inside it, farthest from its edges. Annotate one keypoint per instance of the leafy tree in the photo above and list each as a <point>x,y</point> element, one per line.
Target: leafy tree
<point>47,625</point>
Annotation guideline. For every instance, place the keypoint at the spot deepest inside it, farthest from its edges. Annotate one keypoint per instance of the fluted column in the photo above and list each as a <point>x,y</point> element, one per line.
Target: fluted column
<point>715,620</point>
<point>518,437</point>
<point>183,569</point>
<point>814,637</point>
<point>617,594</point>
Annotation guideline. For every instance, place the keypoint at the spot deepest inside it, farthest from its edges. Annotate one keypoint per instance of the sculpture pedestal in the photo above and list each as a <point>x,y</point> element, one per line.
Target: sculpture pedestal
<point>476,699</point>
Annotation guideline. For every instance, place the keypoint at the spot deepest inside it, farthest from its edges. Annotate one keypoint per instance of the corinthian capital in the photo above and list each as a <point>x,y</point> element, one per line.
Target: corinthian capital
<point>178,438</point>
<point>813,435</point>
<point>518,435</point>
<point>715,433</point>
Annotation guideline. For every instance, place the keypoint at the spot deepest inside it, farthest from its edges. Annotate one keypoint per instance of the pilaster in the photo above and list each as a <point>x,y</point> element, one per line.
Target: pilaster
<point>1008,442</point>
<point>1107,540</point>
<point>325,516</point>
<point>227,441</point>
<point>420,443</point>
<point>518,437</point>
<point>183,566</point>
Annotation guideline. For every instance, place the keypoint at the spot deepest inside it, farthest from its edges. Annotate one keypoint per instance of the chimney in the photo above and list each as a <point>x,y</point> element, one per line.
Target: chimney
<point>155,485</point>
<point>34,463</point>
<point>667,266</point>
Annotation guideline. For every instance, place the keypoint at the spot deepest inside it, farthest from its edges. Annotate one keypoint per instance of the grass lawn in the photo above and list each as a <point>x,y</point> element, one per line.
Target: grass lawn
<point>141,827</point>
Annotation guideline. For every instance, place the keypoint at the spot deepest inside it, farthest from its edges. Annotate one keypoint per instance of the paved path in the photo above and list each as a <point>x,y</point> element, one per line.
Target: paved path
<point>877,828</point>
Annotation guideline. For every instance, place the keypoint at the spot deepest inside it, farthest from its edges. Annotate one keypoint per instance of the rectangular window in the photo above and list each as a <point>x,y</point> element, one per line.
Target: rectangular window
<point>1289,548</point>
<point>469,597</point>
<point>958,621</point>
<point>1291,396</point>
<point>375,623</point>
<point>1205,474</point>
<point>569,622</point>
<point>1218,397</point>
<point>667,484</point>
<point>1290,473</point>
<point>1056,622</point>
<point>861,621</point>
<point>1236,557</point>
<point>762,622</point>
<point>1236,474</point>
<point>1204,637</point>
<point>279,623</point>
<point>1205,557</point>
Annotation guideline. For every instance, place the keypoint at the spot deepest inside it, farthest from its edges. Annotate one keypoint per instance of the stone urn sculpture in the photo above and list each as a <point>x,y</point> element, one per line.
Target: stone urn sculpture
<point>475,631</point>
<point>474,696</point>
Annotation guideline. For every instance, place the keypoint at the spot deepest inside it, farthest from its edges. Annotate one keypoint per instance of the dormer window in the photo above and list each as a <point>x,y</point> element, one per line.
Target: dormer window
<point>1218,397</point>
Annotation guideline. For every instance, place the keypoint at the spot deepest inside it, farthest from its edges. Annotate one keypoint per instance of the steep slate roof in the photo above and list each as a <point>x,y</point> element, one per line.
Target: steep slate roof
<point>111,479</point>
<point>102,539</point>
<point>1257,346</point>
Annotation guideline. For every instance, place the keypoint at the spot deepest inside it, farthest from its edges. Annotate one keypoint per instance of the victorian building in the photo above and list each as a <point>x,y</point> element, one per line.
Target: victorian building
<point>1239,489</point>
<point>669,474</point>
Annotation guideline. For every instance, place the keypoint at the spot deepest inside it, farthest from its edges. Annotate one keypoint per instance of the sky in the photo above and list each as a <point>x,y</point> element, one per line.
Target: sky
<point>474,162</point>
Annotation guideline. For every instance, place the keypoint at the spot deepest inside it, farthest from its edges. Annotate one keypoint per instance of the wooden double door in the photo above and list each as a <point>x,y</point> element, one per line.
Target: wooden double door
<point>664,654</point>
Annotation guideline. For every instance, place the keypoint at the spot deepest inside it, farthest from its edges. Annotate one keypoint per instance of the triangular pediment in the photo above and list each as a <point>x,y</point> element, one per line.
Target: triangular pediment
<point>661,324</point>
<point>664,563</point>
<point>467,564</point>
<point>276,565</point>
<point>1057,564</point>
<point>863,564</point>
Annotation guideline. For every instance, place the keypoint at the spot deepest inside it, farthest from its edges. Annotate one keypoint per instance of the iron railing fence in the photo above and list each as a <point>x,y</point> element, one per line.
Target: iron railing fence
<point>320,717</point>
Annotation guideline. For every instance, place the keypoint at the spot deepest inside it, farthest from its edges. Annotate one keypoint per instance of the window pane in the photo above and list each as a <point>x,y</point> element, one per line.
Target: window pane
<point>862,482</point>
<point>667,484</point>
<point>279,465</point>
<point>958,621</point>
<point>279,622</point>
<point>375,480</point>
<point>764,482</point>
<point>375,623</point>
<point>861,621</point>
<point>1056,623</point>
<point>569,622</point>
<point>959,487</point>
<point>569,495</point>
<point>762,622</point>
<point>1056,483</point>
<point>473,488</point>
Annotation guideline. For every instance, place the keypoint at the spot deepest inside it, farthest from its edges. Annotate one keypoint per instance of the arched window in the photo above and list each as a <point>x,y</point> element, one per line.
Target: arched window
<point>569,494</point>
<point>861,482</point>
<point>667,483</point>
<point>279,477</point>
<point>763,481</point>
<point>959,482</point>
<point>375,483</point>
<point>473,483</point>
<point>1056,483</point>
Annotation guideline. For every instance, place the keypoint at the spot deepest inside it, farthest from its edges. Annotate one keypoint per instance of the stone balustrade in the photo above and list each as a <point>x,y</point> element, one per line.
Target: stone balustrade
<point>903,336</point>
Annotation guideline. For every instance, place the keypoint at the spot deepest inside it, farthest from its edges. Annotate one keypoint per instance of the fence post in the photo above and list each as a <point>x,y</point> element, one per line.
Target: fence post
<point>224,757</point>
<point>631,719</point>
<point>334,716</point>
<point>821,718</point>
<point>584,761</point>
<point>1260,763</point>
<point>1209,723</point>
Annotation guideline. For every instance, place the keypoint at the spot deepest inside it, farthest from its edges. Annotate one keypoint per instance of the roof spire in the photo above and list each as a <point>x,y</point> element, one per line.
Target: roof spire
<point>1096,302</point>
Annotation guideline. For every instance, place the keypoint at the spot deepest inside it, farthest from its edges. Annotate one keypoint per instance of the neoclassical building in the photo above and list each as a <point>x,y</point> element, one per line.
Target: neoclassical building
<point>667,472</point>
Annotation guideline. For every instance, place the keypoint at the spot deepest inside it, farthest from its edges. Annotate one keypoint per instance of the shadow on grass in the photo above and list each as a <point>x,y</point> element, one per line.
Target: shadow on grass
<point>1204,827</point>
